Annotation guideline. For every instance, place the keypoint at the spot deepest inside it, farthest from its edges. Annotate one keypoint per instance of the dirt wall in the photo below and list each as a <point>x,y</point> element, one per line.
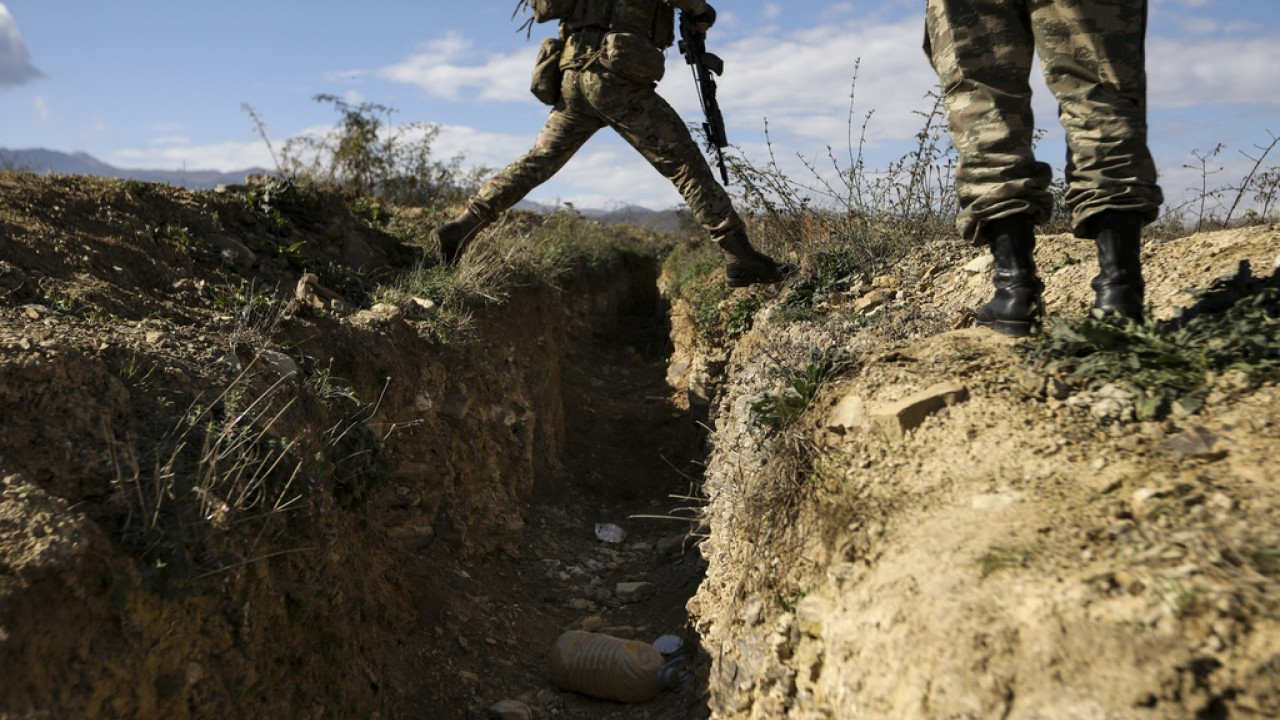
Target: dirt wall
<point>126,383</point>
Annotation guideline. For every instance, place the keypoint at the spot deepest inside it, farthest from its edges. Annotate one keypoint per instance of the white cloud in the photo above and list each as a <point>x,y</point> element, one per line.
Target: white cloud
<point>15,61</point>
<point>802,81</point>
<point>42,107</point>
<point>450,67</point>
<point>171,153</point>
<point>1212,71</point>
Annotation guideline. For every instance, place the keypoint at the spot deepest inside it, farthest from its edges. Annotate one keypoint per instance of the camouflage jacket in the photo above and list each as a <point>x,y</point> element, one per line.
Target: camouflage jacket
<point>652,19</point>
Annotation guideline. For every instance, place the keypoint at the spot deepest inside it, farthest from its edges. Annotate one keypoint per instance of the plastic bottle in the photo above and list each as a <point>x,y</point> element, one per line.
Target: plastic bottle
<point>607,667</point>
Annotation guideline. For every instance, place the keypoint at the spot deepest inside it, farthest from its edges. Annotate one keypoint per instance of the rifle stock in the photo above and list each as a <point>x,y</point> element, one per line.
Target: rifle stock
<point>706,66</point>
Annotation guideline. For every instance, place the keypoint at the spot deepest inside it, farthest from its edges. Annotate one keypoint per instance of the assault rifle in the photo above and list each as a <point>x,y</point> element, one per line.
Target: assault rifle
<point>693,45</point>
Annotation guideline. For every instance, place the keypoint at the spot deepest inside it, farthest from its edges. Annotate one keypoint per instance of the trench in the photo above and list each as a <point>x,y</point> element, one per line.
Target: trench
<point>632,458</point>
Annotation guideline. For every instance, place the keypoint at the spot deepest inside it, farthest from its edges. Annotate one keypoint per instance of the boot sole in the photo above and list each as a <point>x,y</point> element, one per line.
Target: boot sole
<point>1012,328</point>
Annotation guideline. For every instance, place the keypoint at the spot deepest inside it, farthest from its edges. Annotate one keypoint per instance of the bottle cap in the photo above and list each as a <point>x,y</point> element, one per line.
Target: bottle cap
<point>673,674</point>
<point>668,644</point>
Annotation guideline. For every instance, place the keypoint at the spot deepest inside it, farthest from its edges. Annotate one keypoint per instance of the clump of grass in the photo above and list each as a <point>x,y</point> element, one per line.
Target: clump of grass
<point>776,411</point>
<point>873,216</point>
<point>522,250</point>
<point>1168,364</point>
<point>832,272</point>
<point>230,469</point>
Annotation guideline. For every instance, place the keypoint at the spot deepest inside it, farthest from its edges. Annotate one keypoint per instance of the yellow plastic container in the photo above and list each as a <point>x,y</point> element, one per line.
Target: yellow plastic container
<point>607,667</point>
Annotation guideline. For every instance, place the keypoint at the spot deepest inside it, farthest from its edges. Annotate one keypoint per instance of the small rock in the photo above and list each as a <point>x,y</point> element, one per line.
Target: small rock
<point>1197,443</point>
<point>386,310</point>
<point>634,591</point>
<point>812,613</point>
<point>610,533</point>
<point>897,419</point>
<point>872,300</point>
<point>510,710</point>
<point>980,265</point>
<point>849,413</point>
<point>278,362</point>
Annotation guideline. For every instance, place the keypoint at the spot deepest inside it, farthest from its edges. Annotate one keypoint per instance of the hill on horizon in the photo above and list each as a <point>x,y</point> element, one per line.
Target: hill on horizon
<point>43,161</point>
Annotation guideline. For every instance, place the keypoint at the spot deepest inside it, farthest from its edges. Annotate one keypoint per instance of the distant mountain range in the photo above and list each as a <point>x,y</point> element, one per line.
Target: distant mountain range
<point>40,160</point>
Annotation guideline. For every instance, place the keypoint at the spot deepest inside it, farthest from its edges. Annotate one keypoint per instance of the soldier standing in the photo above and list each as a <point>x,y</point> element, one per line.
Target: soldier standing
<point>612,61</point>
<point>1093,59</point>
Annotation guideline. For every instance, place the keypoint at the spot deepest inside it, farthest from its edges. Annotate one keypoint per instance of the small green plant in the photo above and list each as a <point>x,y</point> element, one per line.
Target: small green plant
<point>135,371</point>
<point>22,491</point>
<point>776,411</point>
<point>248,304</point>
<point>179,236</point>
<point>1236,327</point>
<point>137,188</point>
<point>742,317</point>
<point>705,304</point>
<point>368,155</point>
<point>272,200</point>
<point>833,272</point>
<point>1004,557</point>
<point>61,303</point>
<point>292,253</point>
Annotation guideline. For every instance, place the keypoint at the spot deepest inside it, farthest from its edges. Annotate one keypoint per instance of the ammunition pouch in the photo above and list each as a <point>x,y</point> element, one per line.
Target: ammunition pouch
<point>633,57</point>
<point>547,75</point>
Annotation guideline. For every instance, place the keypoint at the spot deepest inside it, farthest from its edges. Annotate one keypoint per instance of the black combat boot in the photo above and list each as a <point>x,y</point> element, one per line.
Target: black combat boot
<point>455,235</point>
<point>744,265</point>
<point>1016,309</point>
<point>1119,287</point>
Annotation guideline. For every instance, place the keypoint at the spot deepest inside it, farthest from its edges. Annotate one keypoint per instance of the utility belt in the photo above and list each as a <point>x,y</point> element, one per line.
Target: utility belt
<point>630,56</point>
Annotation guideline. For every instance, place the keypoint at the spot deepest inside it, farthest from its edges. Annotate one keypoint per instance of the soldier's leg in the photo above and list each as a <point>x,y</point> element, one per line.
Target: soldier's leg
<point>982,52</point>
<point>653,128</point>
<point>1093,56</point>
<point>646,121</point>
<point>567,128</point>
<point>1094,61</point>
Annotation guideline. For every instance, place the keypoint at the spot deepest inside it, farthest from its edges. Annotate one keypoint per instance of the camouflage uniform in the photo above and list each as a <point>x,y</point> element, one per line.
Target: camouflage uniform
<point>593,96</point>
<point>1092,56</point>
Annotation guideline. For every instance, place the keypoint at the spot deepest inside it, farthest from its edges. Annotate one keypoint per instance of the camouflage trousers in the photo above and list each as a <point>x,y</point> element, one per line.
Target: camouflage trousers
<point>592,100</point>
<point>1093,59</point>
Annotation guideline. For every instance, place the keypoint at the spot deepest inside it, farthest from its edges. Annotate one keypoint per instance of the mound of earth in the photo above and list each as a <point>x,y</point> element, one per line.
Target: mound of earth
<point>951,531</point>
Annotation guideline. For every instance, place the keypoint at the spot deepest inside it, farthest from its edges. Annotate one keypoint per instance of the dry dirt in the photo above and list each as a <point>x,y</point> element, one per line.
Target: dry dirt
<point>1016,555</point>
<point>409,523</point>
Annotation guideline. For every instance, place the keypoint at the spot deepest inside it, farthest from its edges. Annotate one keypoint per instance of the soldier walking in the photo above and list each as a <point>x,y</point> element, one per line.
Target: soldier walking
<point>1093,58</point>
<point>612,61</point>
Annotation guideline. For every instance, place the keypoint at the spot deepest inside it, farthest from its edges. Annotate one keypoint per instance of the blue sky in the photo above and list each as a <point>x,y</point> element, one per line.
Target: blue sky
<point>160,84</point>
